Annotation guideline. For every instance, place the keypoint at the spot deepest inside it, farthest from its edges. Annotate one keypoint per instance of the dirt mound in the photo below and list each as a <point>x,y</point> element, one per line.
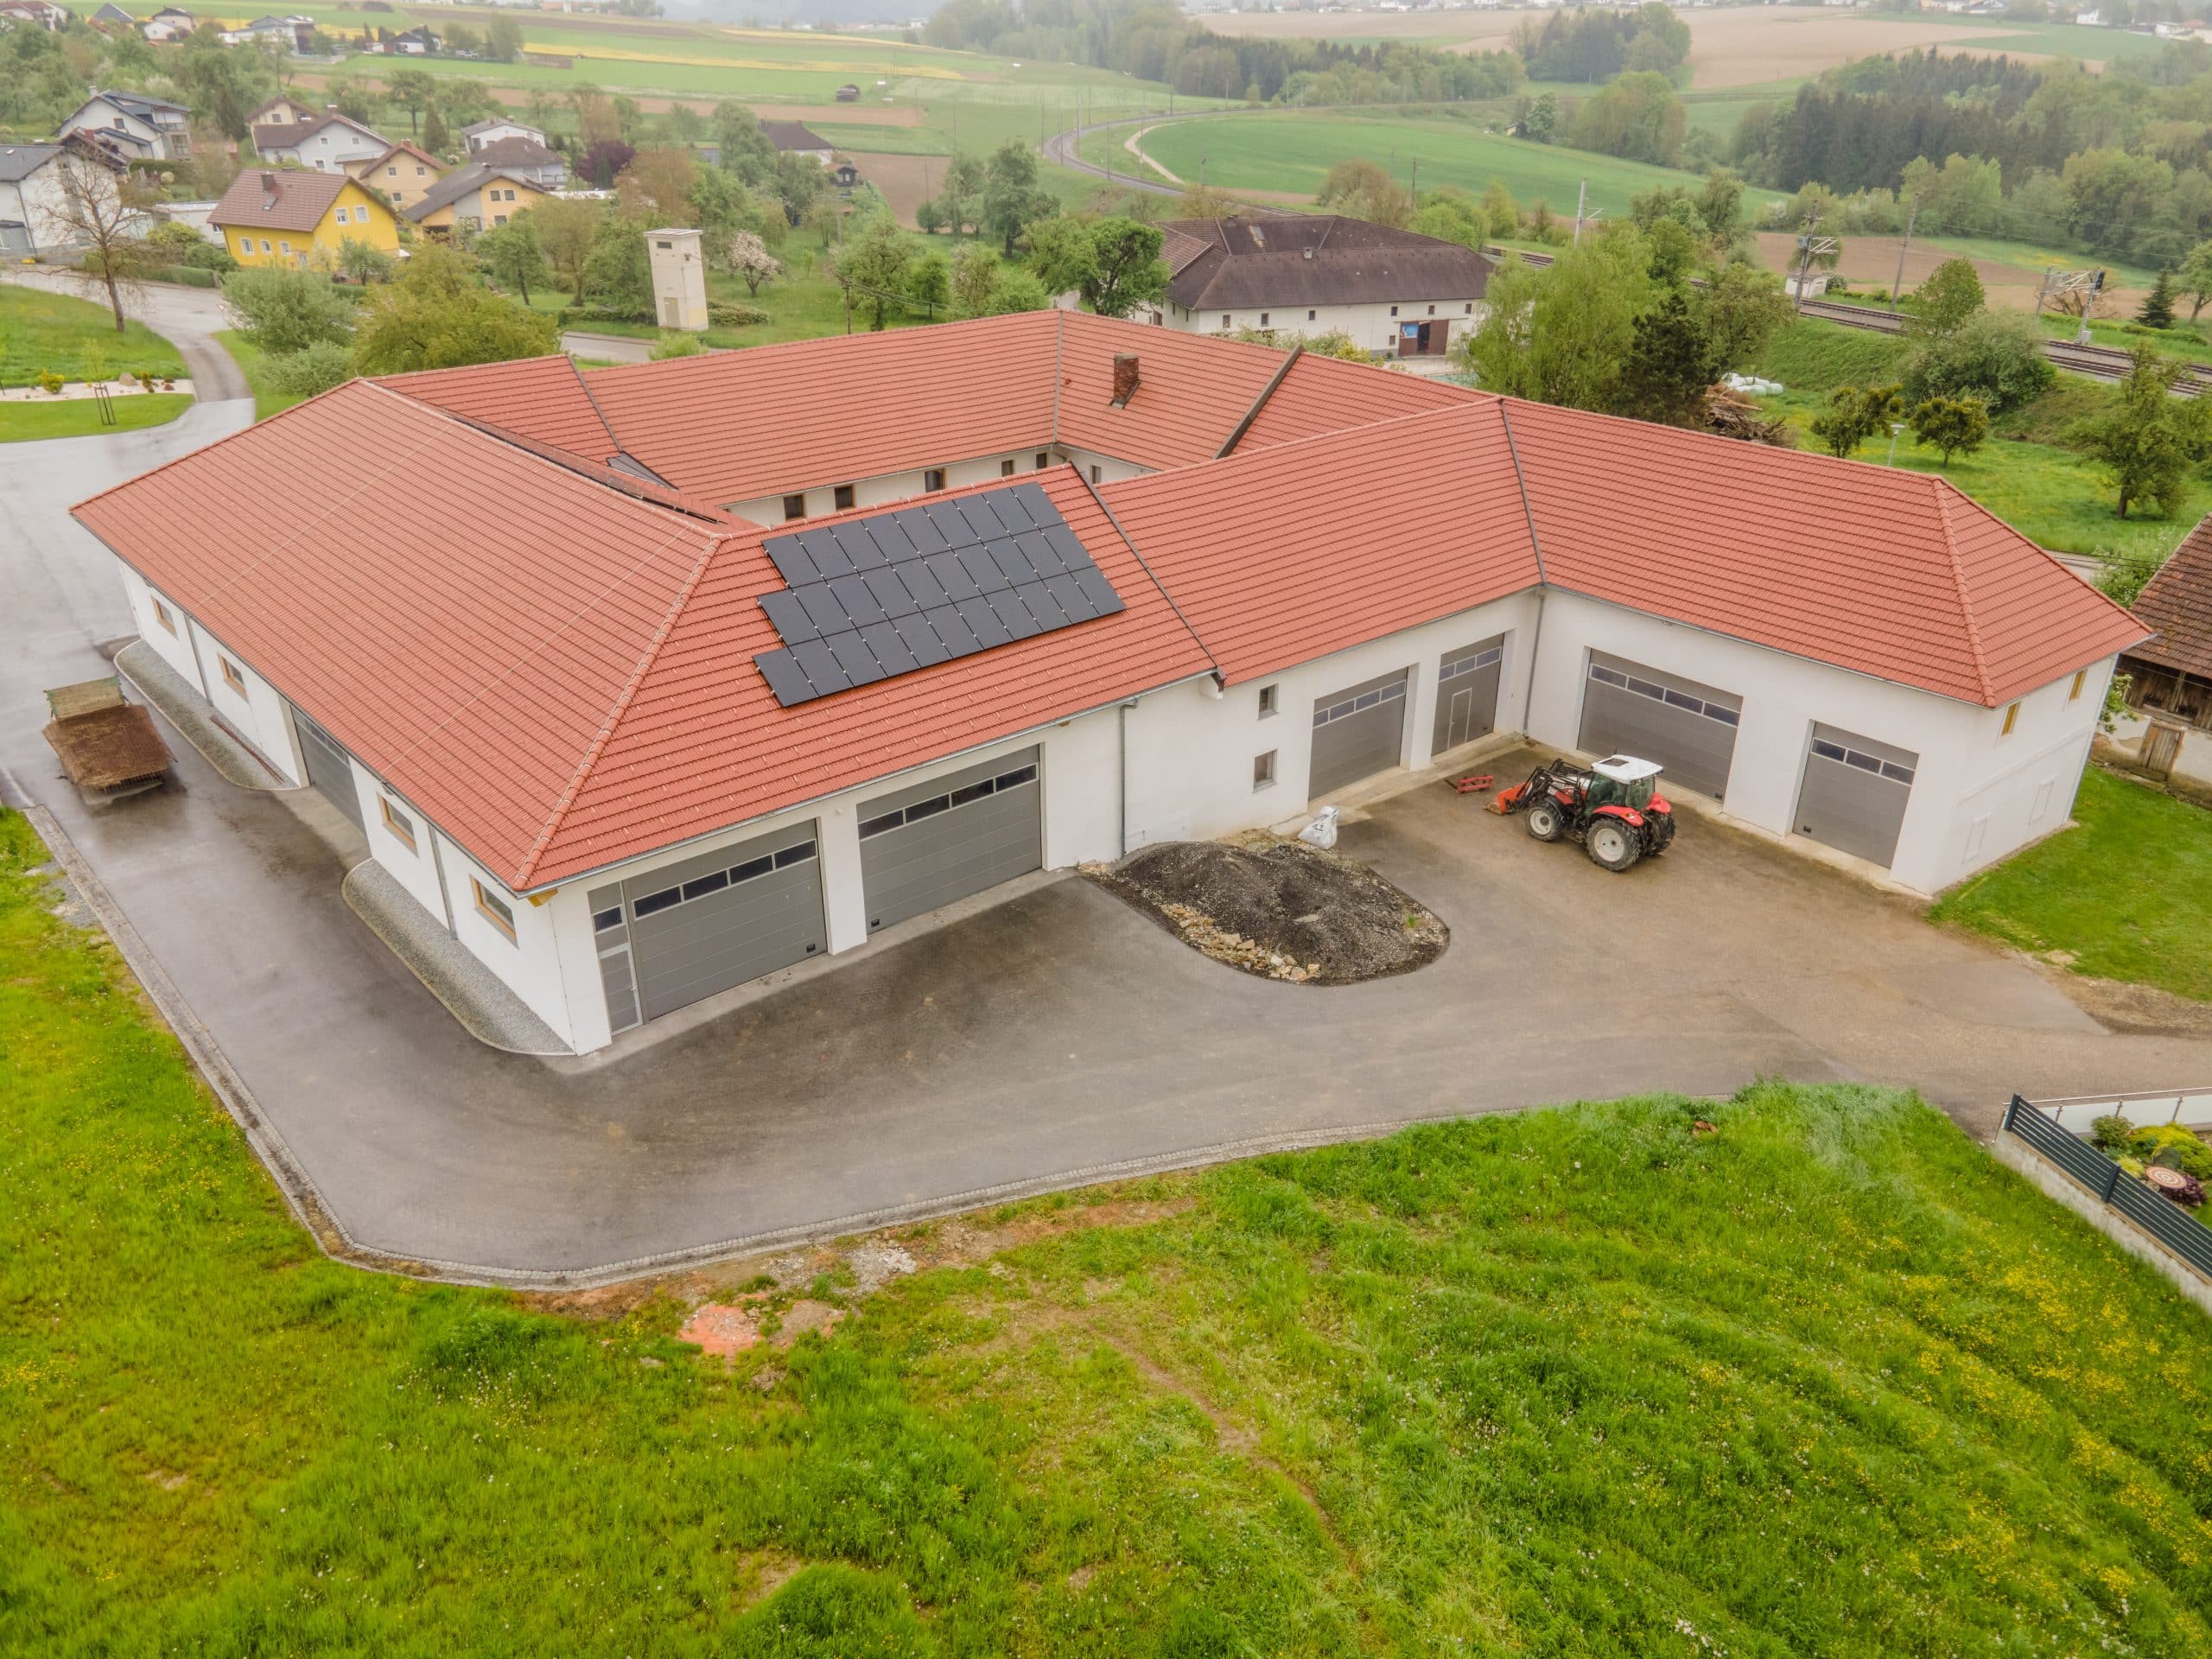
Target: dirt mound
<point>1280,909</point>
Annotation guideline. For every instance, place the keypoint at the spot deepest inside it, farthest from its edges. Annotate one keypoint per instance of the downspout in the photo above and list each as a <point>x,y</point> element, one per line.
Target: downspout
<point>1122,801</point>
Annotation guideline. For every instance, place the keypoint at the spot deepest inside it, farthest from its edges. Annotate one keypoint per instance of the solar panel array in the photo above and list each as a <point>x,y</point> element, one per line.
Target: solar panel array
<point>872,597</point>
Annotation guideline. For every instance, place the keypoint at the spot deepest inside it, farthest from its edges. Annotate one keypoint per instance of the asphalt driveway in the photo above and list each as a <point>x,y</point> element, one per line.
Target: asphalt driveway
<point>1054,1039</point>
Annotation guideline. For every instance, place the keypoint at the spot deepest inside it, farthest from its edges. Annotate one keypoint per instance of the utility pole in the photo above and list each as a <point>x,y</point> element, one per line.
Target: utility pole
<point>1898,287</point>
<point>1581,196</point>
<point>1413,190</point>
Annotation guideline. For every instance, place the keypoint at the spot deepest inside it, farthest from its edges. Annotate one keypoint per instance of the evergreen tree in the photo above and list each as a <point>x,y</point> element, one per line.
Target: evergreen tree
<point>2157,310</point>
<point>434,137</point>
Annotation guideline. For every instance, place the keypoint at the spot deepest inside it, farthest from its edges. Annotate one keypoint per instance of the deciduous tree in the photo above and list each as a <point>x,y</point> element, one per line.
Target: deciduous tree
<point>749,261</point>
<point>101,212</point>
<point>514,253</point>
<point>2146,440</point>
<point>281,311</point>
<point>1853,415</point>
<point>1951,426</point>
<point>439,315</point>
<point>565,228</point>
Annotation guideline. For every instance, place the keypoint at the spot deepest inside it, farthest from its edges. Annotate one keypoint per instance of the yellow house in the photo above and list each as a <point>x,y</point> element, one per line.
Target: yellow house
<point>475,198</point>
<point>288,218</point>
<point>403,175</point>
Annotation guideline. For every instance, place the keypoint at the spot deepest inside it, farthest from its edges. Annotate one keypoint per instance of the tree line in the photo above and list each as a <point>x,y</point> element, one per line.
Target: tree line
<point>1153,41</point>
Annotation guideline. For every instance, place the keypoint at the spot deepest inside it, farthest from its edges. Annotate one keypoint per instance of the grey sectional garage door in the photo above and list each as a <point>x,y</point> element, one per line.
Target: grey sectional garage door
<point>1854,794</point>
<point>926,846</point>
<point>327,768</point>
<point>1466,692</point>
<point>1357,732</point>
<point>687,932</point>
<point>1688,728</point>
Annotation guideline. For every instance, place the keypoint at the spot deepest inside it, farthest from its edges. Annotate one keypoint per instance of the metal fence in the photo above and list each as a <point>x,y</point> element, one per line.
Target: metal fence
<point>2145,1110</point>
<point>2164,1220</point>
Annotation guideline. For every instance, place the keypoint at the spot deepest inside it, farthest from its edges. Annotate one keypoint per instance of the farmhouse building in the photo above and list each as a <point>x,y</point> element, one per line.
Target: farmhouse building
<point>1394,293</point>
<point>2170,674</point>
<point>796,138</point>
<point>473,198</point>
<point>649,682</point>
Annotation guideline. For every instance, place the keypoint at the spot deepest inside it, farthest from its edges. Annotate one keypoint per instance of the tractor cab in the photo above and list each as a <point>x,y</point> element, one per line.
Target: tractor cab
<point>1623,781</point>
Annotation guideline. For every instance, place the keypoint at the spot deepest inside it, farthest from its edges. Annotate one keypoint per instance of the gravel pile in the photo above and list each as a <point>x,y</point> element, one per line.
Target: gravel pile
<point>1279,909</point>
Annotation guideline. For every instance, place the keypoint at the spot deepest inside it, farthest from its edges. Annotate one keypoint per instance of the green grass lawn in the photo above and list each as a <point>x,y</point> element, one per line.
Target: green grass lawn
<point>40,332</point>
<point>77,418</point>
<point>802,305</point>
<point>267,400</point>
<point>2126,894</point>
<point>1580,1381</point>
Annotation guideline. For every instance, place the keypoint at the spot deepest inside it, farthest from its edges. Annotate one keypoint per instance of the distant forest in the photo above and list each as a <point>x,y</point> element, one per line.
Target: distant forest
<point>1153,41</point>
<point>2114,163</point>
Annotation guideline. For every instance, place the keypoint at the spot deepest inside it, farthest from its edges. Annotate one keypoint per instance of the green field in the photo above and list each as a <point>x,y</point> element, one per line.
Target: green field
<point>1584,1382</point>
<point>2090,45</point>
<point>40,331</point>
<point>1294,151</point>
<point>2126,894</point>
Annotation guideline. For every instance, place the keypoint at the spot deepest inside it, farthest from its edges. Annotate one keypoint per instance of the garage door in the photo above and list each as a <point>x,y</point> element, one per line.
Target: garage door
<point>327,768</point>
<point>1688,728</point>
<point>926,846</point>
<point>1357,732</point>
<point>1854,794</point>
<point>1467,693</point>
<point>667,939</point>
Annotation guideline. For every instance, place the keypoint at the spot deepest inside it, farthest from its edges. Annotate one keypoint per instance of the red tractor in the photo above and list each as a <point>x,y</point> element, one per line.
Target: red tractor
<point>1613,808</point>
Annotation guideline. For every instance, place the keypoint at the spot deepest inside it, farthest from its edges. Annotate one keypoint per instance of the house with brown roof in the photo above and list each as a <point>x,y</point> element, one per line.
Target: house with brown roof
<point>287,217</point>
<point>404,174</point>
<point>1395,293</point>
<point>654,680</point>
<point>796,138</point>
<point>473,198</point>
<point>525,157</point>
<point>2169,674</point>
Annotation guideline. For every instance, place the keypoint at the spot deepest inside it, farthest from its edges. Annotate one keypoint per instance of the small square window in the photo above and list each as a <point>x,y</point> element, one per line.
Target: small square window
<point>393,172</point>
<point>402,826</point>
<point>264,245</point>
<point>1263,319</point>
<point>342,218</point>
<point>1431,310</point>
<point>1006,469</point>
<point>1309,316</point>
<point>245,245</point>
<point>1044,460</point>
<point>933,478</point>
<point>1468,308</point>
<point>1094,472</point>
<point>231,678</point>
<point>1224,319</point>
<point>162,615</point>
<point>1267,701</point>
<point>2080,679</point>
<point>843,495</point>
<point>1263,770</point>
<point>1394,310</point>
<point>794,508</point>
<point>2012,718</point>
<point>492,908</point>
<point>283,247</point>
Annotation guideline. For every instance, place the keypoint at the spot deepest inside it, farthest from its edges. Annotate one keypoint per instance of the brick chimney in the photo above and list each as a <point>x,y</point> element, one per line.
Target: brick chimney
<point>1125,378</point>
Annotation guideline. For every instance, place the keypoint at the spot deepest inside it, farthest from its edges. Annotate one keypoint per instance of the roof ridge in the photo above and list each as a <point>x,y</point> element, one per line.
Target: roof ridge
<point>592,398</point>
<point>1059,345</point>
<point>1521,480</point>
<point>1159,586</point>
<point>1942,493</point>
<point>1259,404</point>
<point>623,702</point>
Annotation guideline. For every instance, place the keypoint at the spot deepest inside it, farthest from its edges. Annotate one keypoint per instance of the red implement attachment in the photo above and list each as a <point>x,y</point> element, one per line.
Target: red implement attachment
<point>1507,799</point>
<point>1473,783</point>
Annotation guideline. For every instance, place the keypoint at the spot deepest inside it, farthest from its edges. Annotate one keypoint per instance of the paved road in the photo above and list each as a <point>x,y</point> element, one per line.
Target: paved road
<point>1057,1037</point>
<point>188,317</point>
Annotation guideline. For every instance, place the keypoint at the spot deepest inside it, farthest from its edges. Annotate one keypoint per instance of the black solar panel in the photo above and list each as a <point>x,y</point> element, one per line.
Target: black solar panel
<point>904,589</point>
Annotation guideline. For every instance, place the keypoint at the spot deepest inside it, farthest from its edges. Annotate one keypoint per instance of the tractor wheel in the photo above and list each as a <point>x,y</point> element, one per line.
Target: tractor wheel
<point>1546,821</point>
<point>1612,845</point>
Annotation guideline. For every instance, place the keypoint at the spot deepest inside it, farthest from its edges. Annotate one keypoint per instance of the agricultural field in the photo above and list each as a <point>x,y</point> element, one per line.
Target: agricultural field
<point>1801,1372</point>
<point>1290,153</point>
<point>1730,46</point>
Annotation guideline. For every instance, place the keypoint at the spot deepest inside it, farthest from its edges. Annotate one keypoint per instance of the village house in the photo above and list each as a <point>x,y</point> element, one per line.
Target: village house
<point>140,127</point>
<point>329,143</point>
<point>296,217</point>
<point>403,174</point>
<point>473,198</point>
<point>34,192</point>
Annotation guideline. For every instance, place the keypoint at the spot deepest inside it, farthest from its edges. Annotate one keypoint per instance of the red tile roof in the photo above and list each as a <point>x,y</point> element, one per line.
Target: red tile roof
<point>2178,602</point>
<point>1283,554</point>
<point>571,683</point>
<point>736,426</point>
<point>541,398</point>
<point>1889,572</point>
